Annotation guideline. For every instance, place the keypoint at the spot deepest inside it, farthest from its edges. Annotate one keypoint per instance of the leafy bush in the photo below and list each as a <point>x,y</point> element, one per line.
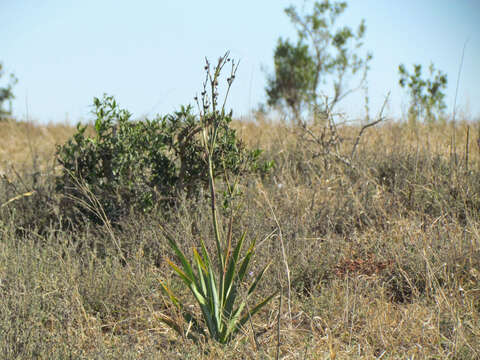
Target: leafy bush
<point>426,95</point>
<point>6,94</point>
<point>135,164</point>
<point>324,54</point>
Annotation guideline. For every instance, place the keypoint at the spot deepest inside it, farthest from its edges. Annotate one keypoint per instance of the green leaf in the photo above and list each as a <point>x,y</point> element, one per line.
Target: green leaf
<point>180,273</point>
<point>202,271</point>
<point>256,309</point>
<point>229,276</point>
<point>180,255</point>
<point>171,295</point>
<point>233,324</point>
<point>215,302</point>
<point>246,261</point>
<point>257,280</point>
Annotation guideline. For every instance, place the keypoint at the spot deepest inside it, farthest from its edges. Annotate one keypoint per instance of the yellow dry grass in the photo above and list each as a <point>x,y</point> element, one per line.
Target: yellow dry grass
<point>421,300</point>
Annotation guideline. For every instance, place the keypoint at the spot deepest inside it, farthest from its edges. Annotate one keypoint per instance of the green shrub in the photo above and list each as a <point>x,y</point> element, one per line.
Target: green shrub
<point>137,164</point>
<point>427,96</point>
<point>324,54</point>
<point>6,95</point>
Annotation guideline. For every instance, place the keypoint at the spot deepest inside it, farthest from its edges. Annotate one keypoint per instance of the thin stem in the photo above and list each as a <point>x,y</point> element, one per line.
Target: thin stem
<point>213,205</point>
<point>285,260</point>
<point>458,81</point>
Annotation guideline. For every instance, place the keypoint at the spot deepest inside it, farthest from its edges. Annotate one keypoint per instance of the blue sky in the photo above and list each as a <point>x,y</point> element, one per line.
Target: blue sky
<point>150,54</point>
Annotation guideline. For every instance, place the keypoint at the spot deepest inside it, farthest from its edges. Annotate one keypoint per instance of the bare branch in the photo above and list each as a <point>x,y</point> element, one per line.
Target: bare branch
<point>373,123</point>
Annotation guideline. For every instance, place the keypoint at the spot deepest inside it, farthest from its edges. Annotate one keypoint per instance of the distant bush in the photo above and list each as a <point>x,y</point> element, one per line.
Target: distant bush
<point>427,96</point>
<point>324,54</point>
<point>137,164</point>
<point>6,94</point>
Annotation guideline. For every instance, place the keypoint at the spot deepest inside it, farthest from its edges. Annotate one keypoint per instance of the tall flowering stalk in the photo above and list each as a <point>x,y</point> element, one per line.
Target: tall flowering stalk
<point>216,288</point>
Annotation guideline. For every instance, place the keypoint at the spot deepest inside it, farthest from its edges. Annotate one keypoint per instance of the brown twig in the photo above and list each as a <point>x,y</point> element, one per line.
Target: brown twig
<point>373,123</point>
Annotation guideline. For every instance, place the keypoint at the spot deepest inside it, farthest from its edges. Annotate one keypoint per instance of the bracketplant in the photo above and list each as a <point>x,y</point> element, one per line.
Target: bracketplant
<point>215,279</point>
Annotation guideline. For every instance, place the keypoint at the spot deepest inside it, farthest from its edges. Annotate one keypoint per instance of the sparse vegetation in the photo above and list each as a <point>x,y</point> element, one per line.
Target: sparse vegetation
<point>126,239</point>
<point>383,259</point>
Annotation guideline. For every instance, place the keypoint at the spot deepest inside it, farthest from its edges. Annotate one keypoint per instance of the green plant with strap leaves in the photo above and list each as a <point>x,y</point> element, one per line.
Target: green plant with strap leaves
<point>215,280</point>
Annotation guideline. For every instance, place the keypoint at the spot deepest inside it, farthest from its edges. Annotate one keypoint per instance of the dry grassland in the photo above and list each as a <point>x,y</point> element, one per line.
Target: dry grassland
<point>383,254</point>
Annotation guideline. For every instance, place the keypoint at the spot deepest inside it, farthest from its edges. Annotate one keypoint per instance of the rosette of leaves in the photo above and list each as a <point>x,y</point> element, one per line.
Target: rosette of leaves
<point>215,278</point>
<point>216,289</point>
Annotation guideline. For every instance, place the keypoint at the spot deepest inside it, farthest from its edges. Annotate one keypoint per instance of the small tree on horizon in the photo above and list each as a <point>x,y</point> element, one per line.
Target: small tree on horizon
<point>324,54</point>
<point>6,94</point>
<point>427,97</point>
